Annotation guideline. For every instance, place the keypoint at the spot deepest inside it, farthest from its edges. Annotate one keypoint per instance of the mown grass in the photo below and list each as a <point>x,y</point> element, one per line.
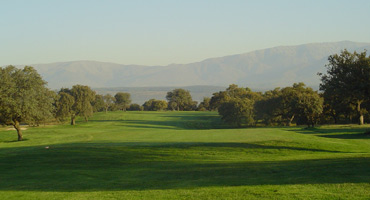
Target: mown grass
<point>183,155</point>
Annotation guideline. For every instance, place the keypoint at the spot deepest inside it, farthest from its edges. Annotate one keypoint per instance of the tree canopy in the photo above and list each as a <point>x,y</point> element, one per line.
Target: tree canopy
<point>108,102</point>
<point>23,97</point>
<point>348,78</point>
<point>237,111</point>
<point>75,102</point>
<point>180,99</point>
<point>236,105</point>
<point>205,104</point>
<point>98,104</point>
<point>155,105</point>
<point>282,106</point>
<point>123,100</point>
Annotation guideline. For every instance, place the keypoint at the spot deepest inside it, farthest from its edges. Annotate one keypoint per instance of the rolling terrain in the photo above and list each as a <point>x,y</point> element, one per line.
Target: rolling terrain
<point>183,155</point>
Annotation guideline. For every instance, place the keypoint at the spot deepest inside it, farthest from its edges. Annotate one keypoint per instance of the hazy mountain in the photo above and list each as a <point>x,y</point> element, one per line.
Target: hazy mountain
<point>262,69</point>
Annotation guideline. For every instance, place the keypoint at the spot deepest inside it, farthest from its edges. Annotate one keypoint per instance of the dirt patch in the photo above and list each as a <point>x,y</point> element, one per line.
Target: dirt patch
<point>13,129</point>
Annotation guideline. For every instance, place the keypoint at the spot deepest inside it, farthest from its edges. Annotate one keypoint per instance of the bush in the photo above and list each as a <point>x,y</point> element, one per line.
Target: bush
<point>135,107</point>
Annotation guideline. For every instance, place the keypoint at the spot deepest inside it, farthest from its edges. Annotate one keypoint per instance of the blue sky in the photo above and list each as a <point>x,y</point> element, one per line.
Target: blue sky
<point>169,31</point>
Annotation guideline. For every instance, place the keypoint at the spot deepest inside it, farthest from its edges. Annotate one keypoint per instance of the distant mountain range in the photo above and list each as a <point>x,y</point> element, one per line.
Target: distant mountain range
<point>261,69</point>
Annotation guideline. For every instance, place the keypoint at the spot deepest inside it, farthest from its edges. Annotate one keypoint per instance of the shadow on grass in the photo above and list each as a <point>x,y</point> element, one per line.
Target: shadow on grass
<point>180,121</point>
<point>144,166</point>
<point>339,133</point>
<point>13,140</point>
<point>347,136</point>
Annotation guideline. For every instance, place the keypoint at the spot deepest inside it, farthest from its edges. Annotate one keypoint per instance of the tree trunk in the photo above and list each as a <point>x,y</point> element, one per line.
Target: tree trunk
<point>290,120</point>
<point>361,118</point>
<point>73,120</point>
<point>19,131</point>
<point>335,119</point>
<point>334,116</point>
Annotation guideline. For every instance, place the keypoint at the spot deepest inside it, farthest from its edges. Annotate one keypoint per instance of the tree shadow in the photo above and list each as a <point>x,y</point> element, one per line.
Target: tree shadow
<point>13,140</point>
<point>183,121</point>
<point>339,133</point>
<point>148,166</point>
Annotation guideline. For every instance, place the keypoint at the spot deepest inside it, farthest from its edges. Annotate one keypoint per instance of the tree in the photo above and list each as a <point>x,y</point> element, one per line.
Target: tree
<point>23,97</point>
<point>155,105</point>
<point>75,102</point>
<point>267,107</point>
<point>98,104</point>
<point>108,102</point>
<point>64,105</point>
<point>135,107</point>
<point>288,102</point>
<point>84,97</point>
<point>159,105</point>
<point>299,103</point>
<point>233,91</point>
<point>205,104</point>
<point>236,105</point>
<point>218,98</point>
<point>179,99</point>
<point>309,106</point>
<point>348,76</point>
<point>148,105</point>
<point>337,108</point>
<point>237,111</point>
<point>46,100</point>
<point>123,100</point>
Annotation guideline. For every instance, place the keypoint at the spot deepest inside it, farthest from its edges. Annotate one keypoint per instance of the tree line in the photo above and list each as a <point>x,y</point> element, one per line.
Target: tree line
<point>24,98</point>
<point>344,98</point>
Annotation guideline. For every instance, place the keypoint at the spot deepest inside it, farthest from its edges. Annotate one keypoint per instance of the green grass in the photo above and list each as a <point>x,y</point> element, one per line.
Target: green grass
<point>183,155</point>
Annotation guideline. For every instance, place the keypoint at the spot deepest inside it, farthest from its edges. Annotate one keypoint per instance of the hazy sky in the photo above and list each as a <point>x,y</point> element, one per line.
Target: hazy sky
<point>160,32</point>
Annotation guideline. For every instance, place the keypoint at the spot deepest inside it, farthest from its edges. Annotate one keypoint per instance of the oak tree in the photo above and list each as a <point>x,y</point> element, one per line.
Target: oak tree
<point>348,77</point>
<point>179,99</point>
<point>123,100</point>
<point>23,97</point>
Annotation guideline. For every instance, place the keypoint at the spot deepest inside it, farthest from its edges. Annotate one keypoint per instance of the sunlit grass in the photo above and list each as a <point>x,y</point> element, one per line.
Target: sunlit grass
<point>183,155</point>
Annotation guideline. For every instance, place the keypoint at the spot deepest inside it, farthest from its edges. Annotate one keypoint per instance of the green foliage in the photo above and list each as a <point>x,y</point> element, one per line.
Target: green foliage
<point>98,104</point>
<point>282,106</point>
<point>84,97</point>
<point>347,81</point>
<point>155,105</point>
<point>180,99</point>
<point>205,104</point>
<point>267,108</point>
<point>75,102</point>
<point>108,102</point>
<point>217,99</point>
<point>23,97</point>
<point>135,107</point>
<point>122,100</point>
<point>64,105</point>
<point>309,107</point>
<point>237,111</point>
<point>236,105</point>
